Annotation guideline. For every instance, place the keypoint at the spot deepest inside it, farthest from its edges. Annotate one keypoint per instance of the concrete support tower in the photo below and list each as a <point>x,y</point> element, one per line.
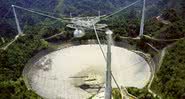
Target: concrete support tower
<point>108,88</point>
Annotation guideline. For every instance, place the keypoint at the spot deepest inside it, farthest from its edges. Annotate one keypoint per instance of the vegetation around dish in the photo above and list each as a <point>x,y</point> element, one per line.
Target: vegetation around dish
<point>169,81</point>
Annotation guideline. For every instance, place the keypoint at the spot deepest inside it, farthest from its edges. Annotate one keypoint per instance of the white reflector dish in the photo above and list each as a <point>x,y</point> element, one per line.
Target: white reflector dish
<point>78,72</point>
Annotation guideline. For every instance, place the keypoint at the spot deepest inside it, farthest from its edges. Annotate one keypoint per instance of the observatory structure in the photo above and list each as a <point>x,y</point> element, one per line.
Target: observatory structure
<point>83,71</point>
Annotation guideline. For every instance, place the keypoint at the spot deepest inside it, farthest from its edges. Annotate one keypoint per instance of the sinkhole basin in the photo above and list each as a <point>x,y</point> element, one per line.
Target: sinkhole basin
<point>78,72</point>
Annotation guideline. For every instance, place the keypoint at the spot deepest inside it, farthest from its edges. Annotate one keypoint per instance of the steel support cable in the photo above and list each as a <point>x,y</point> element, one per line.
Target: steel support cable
<point>45,12</point>
<point>120,10</point>
<point>152,47</point>
<point>53,36</point>
<point>3,17</point>
<point>10,43</point>
<point>99,43</point>
<point>39,13</point>
<point>18,28</point>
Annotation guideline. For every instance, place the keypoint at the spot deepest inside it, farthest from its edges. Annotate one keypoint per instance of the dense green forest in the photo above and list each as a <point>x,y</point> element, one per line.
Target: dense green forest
<point>169,82</point>
<point>12,62</point>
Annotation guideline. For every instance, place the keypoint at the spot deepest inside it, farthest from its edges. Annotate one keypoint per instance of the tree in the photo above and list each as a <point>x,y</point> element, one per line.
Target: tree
<point>170,15</point>
<point>172,74</point>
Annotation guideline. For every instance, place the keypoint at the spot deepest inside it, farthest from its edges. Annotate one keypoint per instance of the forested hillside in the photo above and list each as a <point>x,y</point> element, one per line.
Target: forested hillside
<point>170,79</point>
<point>12,62</point>
<point>77,8</point>
<point>169,82</point>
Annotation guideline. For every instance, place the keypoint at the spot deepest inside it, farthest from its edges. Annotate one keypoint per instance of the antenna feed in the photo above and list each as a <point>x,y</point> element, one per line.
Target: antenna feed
<point>109,32</point>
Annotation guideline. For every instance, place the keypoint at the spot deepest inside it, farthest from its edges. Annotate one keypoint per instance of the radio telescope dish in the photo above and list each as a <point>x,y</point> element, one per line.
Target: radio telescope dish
<point>78,72</point>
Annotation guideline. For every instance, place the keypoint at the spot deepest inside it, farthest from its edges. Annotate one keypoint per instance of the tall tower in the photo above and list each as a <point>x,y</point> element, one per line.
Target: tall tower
<point>142,20</point>
<point>108,88</point>
<point>17,22</point>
